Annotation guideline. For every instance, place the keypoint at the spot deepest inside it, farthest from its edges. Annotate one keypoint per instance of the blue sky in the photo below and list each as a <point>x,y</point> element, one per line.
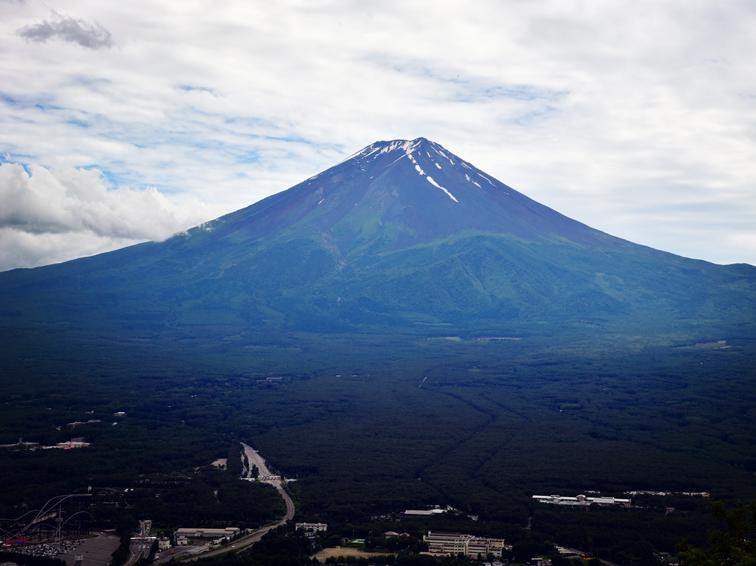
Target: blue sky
<point>137,120</point>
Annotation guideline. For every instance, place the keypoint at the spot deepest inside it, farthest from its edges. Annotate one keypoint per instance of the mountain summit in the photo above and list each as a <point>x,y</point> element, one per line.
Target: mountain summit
<point>396,193</point>
<point>403,236</point>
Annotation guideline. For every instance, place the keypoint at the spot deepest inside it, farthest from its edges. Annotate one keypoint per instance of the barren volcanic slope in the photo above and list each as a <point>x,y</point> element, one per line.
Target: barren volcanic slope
<point>403,235</point>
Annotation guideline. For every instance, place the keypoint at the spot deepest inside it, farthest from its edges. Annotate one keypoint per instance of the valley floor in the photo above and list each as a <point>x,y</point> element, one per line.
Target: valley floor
<point>370,426</point>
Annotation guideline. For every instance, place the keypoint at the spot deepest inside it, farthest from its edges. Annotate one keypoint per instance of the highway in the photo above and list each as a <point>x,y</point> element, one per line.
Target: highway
<point>254,457</point>
<point>137,550</point>
<point>244,542</point>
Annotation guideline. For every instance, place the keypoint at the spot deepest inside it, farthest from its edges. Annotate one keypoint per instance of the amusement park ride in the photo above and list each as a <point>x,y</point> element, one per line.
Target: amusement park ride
<point>47,524</point>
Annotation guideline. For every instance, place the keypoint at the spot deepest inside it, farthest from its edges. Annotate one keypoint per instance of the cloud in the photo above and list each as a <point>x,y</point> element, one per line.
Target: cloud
<point>74,30</point>
<point>626,116</point>
<point>51,216</point>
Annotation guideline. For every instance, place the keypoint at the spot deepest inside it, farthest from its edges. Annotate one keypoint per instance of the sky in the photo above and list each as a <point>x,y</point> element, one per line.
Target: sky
<point>129,121</point>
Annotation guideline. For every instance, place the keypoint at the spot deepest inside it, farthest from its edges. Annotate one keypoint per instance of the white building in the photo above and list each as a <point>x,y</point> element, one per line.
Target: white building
<point>423,512</point>
<point>450,544</point>
<point>583,501</point>
<point>185,535</point>
<point>311,529</point>
<point>435,510</point>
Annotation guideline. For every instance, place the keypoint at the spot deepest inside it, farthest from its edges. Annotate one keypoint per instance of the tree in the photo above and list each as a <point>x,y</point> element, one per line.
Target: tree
<point>734,546</point>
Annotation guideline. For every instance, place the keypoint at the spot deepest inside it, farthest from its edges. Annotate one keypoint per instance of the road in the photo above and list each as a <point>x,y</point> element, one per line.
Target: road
<point>255,459</point>
<point>244,542</point>
<point>137,550</point>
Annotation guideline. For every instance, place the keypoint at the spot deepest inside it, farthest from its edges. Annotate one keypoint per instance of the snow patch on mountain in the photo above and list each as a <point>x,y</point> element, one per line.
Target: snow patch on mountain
<point>442,154</point>
<point>420,171</point>
<point>490,182</point>
<point>433,182</point>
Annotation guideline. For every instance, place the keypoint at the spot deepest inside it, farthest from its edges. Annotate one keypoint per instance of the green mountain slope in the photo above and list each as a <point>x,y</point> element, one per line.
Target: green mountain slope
<point>403,236</point>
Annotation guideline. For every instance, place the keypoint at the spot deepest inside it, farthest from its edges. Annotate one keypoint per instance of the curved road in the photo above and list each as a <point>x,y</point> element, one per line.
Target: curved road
<point>242,543</point>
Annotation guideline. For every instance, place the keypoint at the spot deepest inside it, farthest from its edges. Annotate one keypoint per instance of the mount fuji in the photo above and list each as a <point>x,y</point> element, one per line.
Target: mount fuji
<point>403,236</point>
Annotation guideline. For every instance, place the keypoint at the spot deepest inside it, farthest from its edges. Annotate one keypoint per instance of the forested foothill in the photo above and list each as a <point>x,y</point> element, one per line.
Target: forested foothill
<point>369,426</point>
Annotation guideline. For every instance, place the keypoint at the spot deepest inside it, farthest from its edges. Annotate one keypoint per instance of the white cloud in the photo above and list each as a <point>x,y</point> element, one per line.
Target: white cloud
<point>637,118</point>
<point>51,216</point>
<point>24,249</point>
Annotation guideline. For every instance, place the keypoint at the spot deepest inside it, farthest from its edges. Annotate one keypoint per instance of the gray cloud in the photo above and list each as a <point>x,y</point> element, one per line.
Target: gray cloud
<point>74,30</point>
